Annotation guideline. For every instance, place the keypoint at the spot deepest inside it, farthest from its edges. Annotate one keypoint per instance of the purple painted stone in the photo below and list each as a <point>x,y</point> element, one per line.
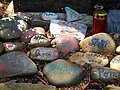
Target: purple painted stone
<point>66,44</point>
<point>16,63</point>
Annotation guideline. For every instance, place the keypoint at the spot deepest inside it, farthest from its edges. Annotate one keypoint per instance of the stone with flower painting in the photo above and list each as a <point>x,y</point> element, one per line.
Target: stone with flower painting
<point>63,73</point>
<point>16,63</point>
<point>100,43</point>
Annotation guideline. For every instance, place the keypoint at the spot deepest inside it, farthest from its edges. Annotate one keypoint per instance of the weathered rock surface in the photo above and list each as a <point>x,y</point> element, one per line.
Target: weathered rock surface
<point>16,63</point>
<point>13,46</point>
<point>100,43</point>
<point>115,63</point>
<point>105,74</point>
<point>39,41</point>
<point>44,54</point>
<point>49,16</point>
<point>63,73</point>
<point>93,59</point>
<point>25,86</point>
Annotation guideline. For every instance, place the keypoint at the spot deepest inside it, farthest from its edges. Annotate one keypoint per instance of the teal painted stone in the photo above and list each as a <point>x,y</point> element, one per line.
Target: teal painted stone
<point>44,54</point>
<point>13,46</point>
<point>16,63</point>
<point>9,30</point>
<point>39,41</point>
<point>63,73</point>
<point>72,15</point>
<point>49,16</point>
<point>105,74</point>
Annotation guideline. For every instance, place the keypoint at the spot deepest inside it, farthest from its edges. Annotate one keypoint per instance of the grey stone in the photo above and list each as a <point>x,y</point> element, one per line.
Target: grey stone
<point>44,54</point>
<point>105,74</point>
<point>16,63</point>
<point>1,47</point>
<point>25,86</point>
<point>63,73</point>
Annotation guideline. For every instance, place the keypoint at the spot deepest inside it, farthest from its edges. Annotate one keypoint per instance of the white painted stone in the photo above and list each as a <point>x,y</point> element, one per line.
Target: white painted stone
<point>49,16</point>
<point>72,15</point>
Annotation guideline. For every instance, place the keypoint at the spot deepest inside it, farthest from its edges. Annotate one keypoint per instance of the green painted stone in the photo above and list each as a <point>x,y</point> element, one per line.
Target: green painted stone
<point>16,63</point>
<point>44,54</point>
<point>105,74</point>
<point>63,73</point>
<point>25,86</point>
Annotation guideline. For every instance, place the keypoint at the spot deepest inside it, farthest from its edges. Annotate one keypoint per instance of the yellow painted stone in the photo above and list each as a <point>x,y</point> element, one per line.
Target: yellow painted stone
<point>93,59</point>
<point>118,49</point>
<point>100,43</point>
<point>115,63</point>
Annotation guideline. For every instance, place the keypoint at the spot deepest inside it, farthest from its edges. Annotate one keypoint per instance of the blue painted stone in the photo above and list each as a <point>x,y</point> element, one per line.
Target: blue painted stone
<point>63,73</point>
<point>16,63</point>
<point>9,30</point>
<point>72,15</point>
<point>49,16</point>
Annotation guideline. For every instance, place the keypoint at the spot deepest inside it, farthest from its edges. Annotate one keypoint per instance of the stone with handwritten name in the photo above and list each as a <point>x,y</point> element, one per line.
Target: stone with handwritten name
<point>93,59</point>
<point>13,46</point>
<point>44,54</point>
<point>72,15</point>
<point>28,34</point>
<point>67,44</point>
<point>100,43</point>
<point>63,73</point>
<point>49,16</point>
<point>1,47</point>
<point>105,74</point>
<point>115,63</point>
<point>39,41</point>
<point>16,63</point>
<point>9,30</point>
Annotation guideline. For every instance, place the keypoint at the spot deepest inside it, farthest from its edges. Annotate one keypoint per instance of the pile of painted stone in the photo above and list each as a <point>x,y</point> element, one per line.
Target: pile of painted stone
<point>59,60</point>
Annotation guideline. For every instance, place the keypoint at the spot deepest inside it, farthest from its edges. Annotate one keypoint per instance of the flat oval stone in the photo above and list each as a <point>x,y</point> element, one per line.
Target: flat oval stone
<point>115,63</point>
<point>16,63</point>
<point>49,16</point>
<point>67,44</point>
<point>93,59</point>
<point>63,73</point>
<point>39,41</point>
<point>100,43</point>
<point>105,74</point>
<point>9,30</point>
<point>28,34</point>
<point>13,46</point>
<point>1,47</point>
<point>44,54</point>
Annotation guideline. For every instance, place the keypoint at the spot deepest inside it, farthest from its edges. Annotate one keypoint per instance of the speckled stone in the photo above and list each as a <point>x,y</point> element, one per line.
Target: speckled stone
<point>44,54</point>
<point>105,74</point>
<point>16,63</point>
<point>63,73</point>
<point>100,43</point>
<point>67,44</point>
<point>115,63</point>
<point>13,46</point>
<point>9,30</point>
<point>93,59</point>
<point>39,41</point>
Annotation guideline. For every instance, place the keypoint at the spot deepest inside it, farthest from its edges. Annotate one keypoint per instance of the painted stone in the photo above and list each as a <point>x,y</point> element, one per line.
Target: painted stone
<point>100,43</point>
<point>1,47</point>
<point>93,59</point>
<point>105,74</point>
<point>115,63</point>
<point>44,54</point>
<point>63,73</point>
<point>16,63</point>
<point>9,30</point>
<point>61,28</point>
<point>25,86</point>
<point>40,30</point>
<point>39,41</point>
<point>28,34</point>
<point>49,16</point>
<point>118,50</point>
<point>13,46</point>
<point>67,44</point>
<point>72,15</point>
